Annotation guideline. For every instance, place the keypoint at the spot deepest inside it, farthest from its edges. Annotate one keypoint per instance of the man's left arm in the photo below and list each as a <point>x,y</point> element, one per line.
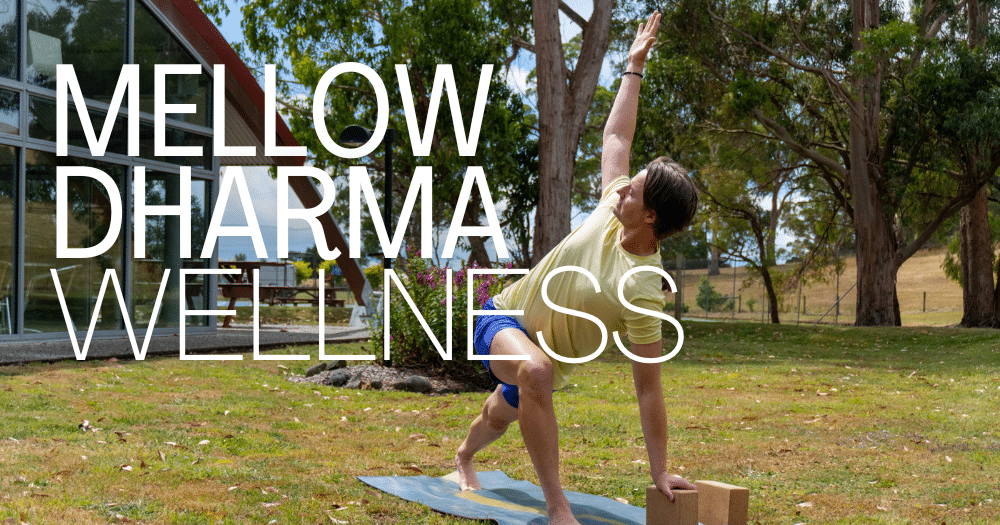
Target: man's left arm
<point>653,413</point>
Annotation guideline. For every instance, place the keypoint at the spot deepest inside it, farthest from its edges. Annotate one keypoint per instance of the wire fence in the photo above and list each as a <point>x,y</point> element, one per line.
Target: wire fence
<point>926,296</point>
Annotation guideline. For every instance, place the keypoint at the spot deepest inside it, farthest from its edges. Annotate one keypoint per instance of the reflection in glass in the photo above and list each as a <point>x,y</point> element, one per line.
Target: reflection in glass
<point>8,174</point>
<point>42,125</point>
<point>163,251</point>
<point>10,106</point>
<point>88,220</point>
<point>155,45</point>
<point>9,32</point>
<point>176,137</point>
<point>89,34</point>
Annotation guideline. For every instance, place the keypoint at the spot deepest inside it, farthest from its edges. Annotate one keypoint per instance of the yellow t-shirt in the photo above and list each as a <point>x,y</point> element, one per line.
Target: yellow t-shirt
<point>596,247</point>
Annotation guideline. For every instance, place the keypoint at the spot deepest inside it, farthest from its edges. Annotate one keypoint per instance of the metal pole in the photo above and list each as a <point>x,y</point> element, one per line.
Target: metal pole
<point>836,316</point>
<point>798,305</point>
<point>733,297</point>
<point>390,137</point>
<point>679,296</point>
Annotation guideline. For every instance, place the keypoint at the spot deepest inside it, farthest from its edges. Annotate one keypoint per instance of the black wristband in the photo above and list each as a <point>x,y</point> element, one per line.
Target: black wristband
<point>633,73</point>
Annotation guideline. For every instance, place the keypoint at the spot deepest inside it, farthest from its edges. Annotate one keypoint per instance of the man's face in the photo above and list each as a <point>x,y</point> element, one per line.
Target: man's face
<point>630,209</point>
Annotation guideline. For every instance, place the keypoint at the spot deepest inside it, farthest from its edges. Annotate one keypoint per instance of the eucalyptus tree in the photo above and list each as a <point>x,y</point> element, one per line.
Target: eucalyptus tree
<point>824,77</point>
<point>955,100</point>
<point>305,38</point>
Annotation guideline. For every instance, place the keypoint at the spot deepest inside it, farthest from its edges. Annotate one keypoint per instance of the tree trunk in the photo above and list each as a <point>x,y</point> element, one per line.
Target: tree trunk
<point>873,226</point>
<point>996,293</point>
<point>562,113</point>
<point>713,265</point>
<point>772,297</point>
<point>979,308</point>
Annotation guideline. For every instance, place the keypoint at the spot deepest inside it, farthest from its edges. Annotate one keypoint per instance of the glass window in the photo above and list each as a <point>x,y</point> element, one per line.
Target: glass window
<point>9,32</point>
<point>42,125</point>
<point>163,251</point>
<point>90,34</point>
<point>155,45</point>
<point>88,218</point>
<point>10,105</point>
<point>176,137</point>
<point>8,174</point>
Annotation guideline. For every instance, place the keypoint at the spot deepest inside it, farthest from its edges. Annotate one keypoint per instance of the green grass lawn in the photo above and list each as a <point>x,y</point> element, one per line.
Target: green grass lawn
<point>824,425</point>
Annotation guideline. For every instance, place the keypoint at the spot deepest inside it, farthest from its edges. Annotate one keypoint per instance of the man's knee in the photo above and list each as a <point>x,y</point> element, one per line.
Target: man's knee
<point>536,377</point>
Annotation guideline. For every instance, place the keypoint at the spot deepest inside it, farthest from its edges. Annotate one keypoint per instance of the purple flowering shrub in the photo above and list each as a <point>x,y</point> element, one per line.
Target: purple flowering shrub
<point>427,286</point>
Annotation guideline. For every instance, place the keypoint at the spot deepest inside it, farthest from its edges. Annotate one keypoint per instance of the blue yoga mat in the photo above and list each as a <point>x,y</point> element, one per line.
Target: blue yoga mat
<point>503,500</point>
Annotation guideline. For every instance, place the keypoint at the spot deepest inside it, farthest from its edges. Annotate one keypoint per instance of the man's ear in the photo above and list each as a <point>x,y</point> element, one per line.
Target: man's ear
<point>650,217</point>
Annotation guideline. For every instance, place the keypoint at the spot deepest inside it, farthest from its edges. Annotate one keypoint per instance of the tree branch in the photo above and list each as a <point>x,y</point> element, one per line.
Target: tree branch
<point>569,12</point>
<point>521,43</point>
<point>950,208</point>
<point>782,134</point>
<point>824,73</point>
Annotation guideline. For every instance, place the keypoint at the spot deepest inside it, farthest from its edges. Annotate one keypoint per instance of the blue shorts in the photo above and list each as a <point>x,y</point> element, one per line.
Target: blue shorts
<point>487,327</point>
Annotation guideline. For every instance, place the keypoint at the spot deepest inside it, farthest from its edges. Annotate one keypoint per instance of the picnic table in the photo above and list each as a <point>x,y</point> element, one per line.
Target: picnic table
<point>240,286</point>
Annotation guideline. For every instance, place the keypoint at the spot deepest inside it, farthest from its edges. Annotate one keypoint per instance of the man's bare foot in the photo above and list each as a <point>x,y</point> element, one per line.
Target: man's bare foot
<point>467,479</point>
<point>564,517</point>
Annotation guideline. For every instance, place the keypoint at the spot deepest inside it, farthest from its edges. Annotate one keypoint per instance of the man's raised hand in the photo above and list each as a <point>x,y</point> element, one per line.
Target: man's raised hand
<point>643,42</point>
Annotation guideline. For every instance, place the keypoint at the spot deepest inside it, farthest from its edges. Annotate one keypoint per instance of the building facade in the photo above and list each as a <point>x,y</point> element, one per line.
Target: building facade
<point>99,37</point>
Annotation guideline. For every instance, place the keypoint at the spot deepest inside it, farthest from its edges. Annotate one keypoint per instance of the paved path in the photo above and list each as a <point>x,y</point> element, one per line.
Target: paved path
<point>237,339</point>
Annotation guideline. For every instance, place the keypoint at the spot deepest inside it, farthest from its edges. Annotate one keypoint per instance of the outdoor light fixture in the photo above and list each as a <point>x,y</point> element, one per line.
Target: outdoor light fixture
<point>355,136</point>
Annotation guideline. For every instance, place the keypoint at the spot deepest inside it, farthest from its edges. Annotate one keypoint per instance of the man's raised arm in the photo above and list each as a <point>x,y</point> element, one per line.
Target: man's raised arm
<point>620,129</point>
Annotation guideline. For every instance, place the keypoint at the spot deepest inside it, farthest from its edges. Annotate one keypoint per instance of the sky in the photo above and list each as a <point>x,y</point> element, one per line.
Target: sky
<point>265,191</point>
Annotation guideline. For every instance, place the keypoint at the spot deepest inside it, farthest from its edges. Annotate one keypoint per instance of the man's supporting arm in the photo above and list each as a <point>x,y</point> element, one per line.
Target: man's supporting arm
<point>653,413</point>
<point>620,128</point>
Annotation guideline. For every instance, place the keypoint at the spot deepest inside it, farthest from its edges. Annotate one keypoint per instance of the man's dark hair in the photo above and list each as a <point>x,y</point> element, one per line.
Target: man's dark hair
<point>670,193</point>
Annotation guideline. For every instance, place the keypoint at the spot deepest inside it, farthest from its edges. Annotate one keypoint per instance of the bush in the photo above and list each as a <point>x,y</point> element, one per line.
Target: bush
<point>669,308</point>
<point>374,275</point>
<point>303,271</point>
<point>427,286</point>
<point>708,299</point>
<point>751,302</point>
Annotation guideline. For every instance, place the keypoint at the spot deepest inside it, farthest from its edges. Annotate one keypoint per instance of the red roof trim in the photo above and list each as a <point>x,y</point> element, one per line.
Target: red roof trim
<point>242,88</point>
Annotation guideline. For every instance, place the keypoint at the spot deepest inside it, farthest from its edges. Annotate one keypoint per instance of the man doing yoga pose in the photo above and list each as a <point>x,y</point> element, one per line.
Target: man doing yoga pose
<point>624,232</point>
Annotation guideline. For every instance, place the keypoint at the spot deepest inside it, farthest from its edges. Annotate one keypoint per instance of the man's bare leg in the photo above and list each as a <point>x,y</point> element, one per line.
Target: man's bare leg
<point>534,378</point>
<point>497,415</point>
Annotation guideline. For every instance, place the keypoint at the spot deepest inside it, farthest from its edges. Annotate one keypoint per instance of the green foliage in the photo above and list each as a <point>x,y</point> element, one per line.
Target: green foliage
<point>306,38</point>
<point>708,299</point>
<point>327,267</point>
<point>670,305</point>
<point>748,94</point>
<point>303,271</point>
<point>374,275</point>
<point>751,302</point>
<point>427,286</point>
<point>883,43</point>
<point>240,257</point>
